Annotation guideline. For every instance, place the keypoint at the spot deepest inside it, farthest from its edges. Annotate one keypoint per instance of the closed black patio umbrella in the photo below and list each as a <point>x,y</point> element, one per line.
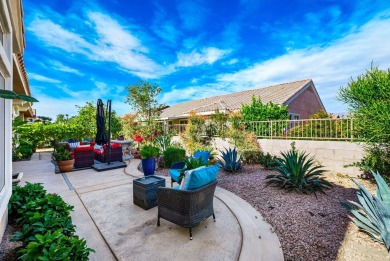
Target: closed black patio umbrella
<point>101,136</point>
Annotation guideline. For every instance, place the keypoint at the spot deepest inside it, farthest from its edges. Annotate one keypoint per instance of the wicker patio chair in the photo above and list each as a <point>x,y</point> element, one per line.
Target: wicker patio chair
<point>115,155</point>
<point>176,167</point>
<point>83,157</point>
<point>186,208</point>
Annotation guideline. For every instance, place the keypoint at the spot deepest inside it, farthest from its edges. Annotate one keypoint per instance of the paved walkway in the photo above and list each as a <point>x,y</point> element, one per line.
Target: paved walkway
<point>106,217</point>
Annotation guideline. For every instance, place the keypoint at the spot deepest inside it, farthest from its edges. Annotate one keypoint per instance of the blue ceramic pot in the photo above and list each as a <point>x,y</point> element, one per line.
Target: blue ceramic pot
<point>148,166</point>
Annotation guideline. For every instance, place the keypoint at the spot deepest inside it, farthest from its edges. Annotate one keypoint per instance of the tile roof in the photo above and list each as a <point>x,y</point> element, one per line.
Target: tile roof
<point>278,94</point>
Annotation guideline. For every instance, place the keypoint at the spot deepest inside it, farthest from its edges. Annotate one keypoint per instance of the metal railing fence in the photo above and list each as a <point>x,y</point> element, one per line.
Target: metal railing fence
<point>308,129</point>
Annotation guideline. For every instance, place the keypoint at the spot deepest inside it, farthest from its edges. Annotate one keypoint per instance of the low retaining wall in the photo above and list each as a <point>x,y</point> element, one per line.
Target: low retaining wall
<point>333,155</point>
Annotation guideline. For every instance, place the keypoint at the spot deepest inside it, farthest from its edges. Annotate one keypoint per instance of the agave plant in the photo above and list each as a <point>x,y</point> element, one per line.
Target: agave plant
<point>373,213</point>
<point>163,142</point>
<point>230,161</point>
<point>297,171</point>
<point>192,163</point>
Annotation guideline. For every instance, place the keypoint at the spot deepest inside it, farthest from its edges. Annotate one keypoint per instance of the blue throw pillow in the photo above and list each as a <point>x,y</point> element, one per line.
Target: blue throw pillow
<point>202,177</point>
<point>204,154</point>
<point>175,174</point>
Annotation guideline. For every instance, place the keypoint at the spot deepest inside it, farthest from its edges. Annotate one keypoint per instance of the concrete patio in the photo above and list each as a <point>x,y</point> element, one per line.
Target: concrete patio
<point>117,229</point>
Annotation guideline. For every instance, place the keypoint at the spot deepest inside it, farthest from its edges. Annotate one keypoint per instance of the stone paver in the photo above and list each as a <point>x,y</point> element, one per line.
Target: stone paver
<point>119,230</point>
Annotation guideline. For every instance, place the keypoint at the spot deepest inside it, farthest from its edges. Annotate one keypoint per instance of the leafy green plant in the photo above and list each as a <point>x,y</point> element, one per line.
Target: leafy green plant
<point>192,163</point>
<point>47,230</point>
<point>62,153</point>
<point>367,97</point>
<point>173,154</point>
<point>268,161</point>
<point>149,151</point>
<point>49,202</point>
<point>56,246</point>
<point>21,149</point>
<point>296,171</point>
<point>21,195</point>
<point>230,160</point>
<point>372,215</point>
<point>192,136</point>
<point>41,222</point>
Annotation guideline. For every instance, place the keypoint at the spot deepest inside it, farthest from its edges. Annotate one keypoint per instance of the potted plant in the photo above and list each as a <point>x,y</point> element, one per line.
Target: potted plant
<point>64,158</point>
<point>149,154</point>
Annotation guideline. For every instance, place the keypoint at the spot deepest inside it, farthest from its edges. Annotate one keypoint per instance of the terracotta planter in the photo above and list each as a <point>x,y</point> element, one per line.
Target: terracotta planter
<point>65,165</point>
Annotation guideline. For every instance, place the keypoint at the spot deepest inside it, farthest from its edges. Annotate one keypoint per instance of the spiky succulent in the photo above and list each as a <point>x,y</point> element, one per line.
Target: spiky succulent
<point>230,160</point>
<point>373,213</point>
<point>297,171</point>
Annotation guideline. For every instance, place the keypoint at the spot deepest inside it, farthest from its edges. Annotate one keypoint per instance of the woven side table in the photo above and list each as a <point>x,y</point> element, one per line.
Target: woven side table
<point>145,191</point>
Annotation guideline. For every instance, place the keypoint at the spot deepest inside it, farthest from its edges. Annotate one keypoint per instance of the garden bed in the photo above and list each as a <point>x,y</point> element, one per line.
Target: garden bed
<point>308,228</point>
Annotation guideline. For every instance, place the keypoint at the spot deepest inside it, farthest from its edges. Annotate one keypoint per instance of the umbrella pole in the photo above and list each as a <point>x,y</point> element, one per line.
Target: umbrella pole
<point>109,131</point>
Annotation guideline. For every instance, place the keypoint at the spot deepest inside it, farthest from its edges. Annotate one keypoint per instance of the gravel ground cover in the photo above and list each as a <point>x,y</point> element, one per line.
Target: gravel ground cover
<point>6,246</point>
<point>308,227</point>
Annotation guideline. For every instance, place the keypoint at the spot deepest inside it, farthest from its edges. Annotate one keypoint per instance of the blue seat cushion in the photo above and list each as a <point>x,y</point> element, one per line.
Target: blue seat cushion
<point>202,177</point>
<point>204,154</point>
<point>175,174</point>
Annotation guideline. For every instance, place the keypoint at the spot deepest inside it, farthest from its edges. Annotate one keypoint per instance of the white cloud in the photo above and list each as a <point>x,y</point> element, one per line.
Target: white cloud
<point>330,67</point>
<point>54,35</point>
<point>205,56</point>
<point>112,43</point>
<point>41,78</point>
<point>232,61</point>
<point>61,67</point>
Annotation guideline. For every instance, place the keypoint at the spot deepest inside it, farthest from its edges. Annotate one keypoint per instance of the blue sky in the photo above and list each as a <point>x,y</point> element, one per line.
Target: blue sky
<point>80,51</point>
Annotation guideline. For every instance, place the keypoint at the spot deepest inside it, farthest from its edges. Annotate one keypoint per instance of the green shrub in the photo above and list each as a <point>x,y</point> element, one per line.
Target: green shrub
<point>367,97</point>
<point>49,202</point>
<point>230,160</point>
<point>373,213</point>
<point>173,154</point>
<point>21,149</point>
<point>297,172</point>
<point>250,156</point>
<point>47,230</point>
<point>148,151</point>
<point>21,195</point>
<point>41,222</point>
<point>55,246</point>
<point>268,161</point>
<point>61,153</point>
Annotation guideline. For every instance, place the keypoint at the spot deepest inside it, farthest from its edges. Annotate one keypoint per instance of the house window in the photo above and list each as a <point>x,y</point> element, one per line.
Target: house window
<point>294,116</point>
<point>182,125</point>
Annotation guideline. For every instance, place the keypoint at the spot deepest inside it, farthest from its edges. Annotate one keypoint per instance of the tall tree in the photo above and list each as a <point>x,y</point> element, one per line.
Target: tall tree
<point>142,98</point>
<point>86,120</point>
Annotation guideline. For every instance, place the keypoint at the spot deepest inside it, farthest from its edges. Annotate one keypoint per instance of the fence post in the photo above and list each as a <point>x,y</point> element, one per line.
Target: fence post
<point>271,129</point>
<point>351,129</point>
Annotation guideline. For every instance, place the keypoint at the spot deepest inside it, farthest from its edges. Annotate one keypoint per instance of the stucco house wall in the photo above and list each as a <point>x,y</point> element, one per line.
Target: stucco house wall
<point>11,48</point>
<point>305,104</point>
